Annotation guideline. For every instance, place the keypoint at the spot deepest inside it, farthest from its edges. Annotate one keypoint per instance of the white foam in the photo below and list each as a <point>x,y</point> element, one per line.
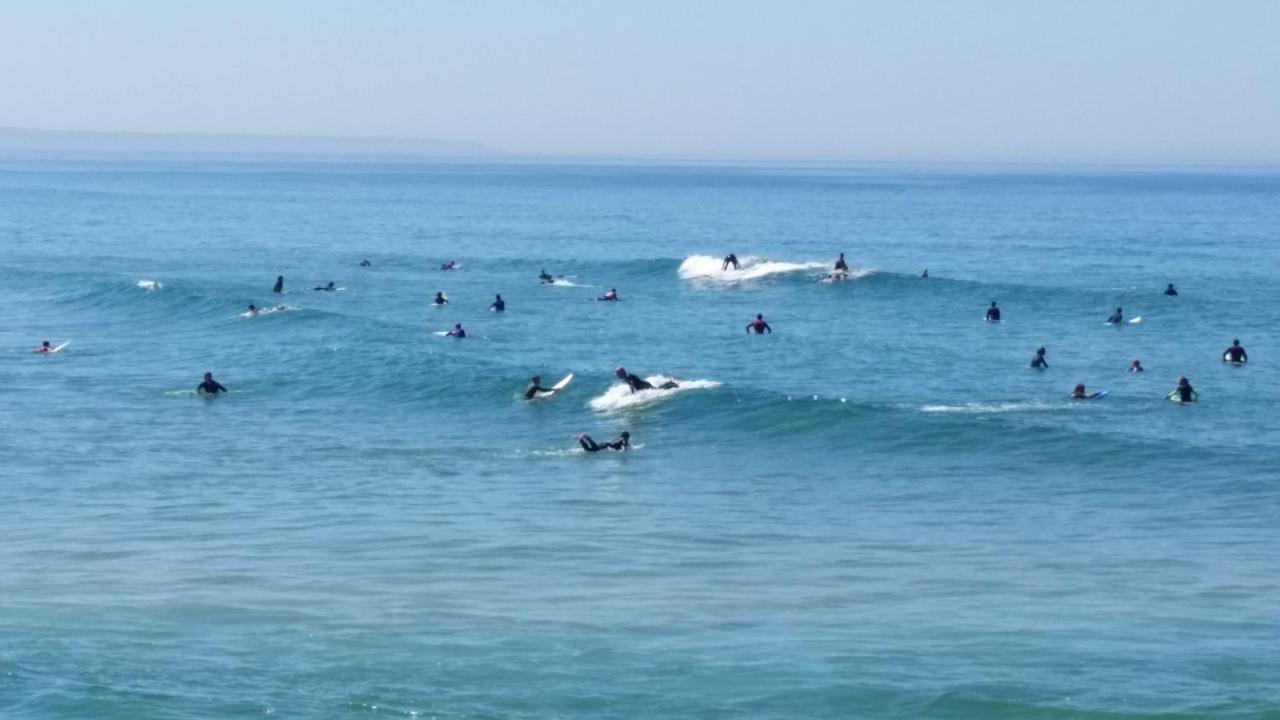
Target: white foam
<point>620,397</point>
<point>981,408</point>
<point>843,276</point>
<point>707,268</point>
<point>267,311</point>
<point>149,285</point>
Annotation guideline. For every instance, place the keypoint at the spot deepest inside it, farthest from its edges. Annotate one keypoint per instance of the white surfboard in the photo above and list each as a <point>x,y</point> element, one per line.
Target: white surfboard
<point>60,347</point>
<point>1135,321</point>
<point>564,381</point>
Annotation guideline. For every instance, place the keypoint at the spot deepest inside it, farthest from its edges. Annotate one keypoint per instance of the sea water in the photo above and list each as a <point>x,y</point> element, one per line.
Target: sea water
<point>878,511</point>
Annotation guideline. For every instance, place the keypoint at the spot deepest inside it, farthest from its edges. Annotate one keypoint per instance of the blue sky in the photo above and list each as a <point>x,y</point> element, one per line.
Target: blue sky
<point>1123,81</point>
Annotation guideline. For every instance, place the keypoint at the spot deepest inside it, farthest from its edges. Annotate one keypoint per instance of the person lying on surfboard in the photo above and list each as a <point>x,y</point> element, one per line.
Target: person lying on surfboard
<point>451,265</point>
<point>1116,318</point>
<point>1184,392</point>
<point>44,347</point>
<point>535,388</point>
<point>610,296</point>
<point>1235,353</point>
<point>638,384</point>
<point>622,443</point>
<point>210,386</point>
<point>1079,393</point>
<point>327,288</point>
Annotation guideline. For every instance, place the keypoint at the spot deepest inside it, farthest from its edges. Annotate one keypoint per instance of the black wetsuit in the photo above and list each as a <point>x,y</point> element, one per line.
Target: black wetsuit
<point>532,391</point>
<point>365,263</point>
<point>592,446</point>
<point>1185,393</point>
<point>637,384</point>
<point>1115,319</point>
<point>1170,291</point>
<point>210,387</point>
<point>440,300</point>
<point>457,333</point>
<point>1236,354</point>
<point>842,266</point>
<point>993,314</point>
<point>1039,362</point>
<point>327,288</point>
<point>498,305</point>
<point>609,297</point>
<point>730,260</point>
<point>279,286</point>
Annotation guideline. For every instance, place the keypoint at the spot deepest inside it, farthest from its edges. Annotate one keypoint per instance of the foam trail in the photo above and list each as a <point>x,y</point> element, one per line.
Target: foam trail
<point>705,267</point>
<point>620,397</point>
<point>149,285</point>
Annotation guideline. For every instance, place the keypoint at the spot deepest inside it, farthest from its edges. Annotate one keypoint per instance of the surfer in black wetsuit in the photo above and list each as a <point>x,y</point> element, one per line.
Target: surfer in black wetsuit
<point>1038,361</point>
<point>545,277</point>
<point>611,296</point>
<point>1136,367</point>
<point>925,274</point>
<point>327,288</point>
<point>1079,393</point>
<point>1117,317</point>
<point>841,265</point>
<point>210,386</point>
<point>253,309</point>
<point>622,443</point>
<point>279,286</point>
<point>637,384</point>
<point>535,388</point>
<point>457,332</point>
<point>365,263</point>
<point>1184,392</point>
<point>993,313</point>
<point>730,259</point>
<point>1235,353</point>
<point>759,326</point>
<point>451,265</point>
<point>440,299</point>
<point>498,304</point>
<point>1171,291</point>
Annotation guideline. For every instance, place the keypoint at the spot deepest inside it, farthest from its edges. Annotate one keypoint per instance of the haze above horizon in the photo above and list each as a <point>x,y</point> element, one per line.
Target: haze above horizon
<point>920,80</point>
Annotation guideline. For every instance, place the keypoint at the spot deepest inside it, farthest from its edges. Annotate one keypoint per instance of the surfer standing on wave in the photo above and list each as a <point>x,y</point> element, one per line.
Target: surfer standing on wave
<point>622,443</point>
<point>638,384</point>
<point>730,259</point>
<point>841,265</point>
<point>210,386</point>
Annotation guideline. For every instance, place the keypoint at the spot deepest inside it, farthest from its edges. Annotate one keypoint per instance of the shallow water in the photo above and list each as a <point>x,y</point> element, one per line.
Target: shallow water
<point>877,511</point>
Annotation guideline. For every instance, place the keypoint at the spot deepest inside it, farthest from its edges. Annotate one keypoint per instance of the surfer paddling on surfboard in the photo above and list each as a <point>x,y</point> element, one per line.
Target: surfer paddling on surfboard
<point>611,296</point>
<point>440,299</point>
<point>622,443</point>
<point>638,384</point>
<point>1079,393</point>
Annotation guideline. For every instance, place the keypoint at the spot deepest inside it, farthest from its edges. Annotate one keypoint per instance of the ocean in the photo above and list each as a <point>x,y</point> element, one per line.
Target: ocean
<point>877,511</point>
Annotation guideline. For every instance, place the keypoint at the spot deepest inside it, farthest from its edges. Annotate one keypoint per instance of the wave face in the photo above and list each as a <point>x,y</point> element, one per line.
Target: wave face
<point>879,510</point>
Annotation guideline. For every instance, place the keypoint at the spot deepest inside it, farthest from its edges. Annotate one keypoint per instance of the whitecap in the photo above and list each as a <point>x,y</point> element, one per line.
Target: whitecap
<point>707,268</point>
<point>619,396</point>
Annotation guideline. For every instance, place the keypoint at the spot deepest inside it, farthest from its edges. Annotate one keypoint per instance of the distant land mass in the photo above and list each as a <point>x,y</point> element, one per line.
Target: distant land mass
<point>28,140</point>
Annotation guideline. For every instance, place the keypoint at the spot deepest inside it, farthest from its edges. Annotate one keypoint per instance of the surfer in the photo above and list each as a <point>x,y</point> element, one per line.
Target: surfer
<point>993,313</point>
<point>622,443</point>
<point>841,265</point>
<point>730,259</point>
<point>925,274</point>
<point>1136,367</point>
<point>1116,318</point>
<point>451,265</point>
<point>1235,353</point>
<point>610,296</point>
<point>498,304</point>
<point>253,309</point>
<point>327,288</point>
<point>457,332</point>
<point>365,263</point>
<point>759,326</point>
<point>1079,393</point>
<point>1038,361</point>
<point>545,277</point>
<point>1184,392</point>
<point>210,386</point>
<point>440,299</point>
<point>637,384</point>
<point>279,286</point>
<point>1170,291</point>
<point>44,348</point>
<point>535,388</point>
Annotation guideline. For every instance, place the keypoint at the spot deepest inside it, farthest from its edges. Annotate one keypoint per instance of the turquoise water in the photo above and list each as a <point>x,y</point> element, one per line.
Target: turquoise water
<point>878,511</point>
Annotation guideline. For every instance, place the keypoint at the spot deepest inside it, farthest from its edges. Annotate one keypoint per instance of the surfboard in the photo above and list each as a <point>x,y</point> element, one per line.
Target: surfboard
<point>60,346</point>
<point>1135,321</point>
<point>564,381</point>
<point>1100,394</point>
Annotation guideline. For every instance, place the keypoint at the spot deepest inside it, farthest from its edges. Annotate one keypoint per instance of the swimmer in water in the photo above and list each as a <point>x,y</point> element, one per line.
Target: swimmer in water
<point>457,332</point>
<point>210,386</point>
<point>279,287</point>
<point>1079,393</point>
<point>1184,392</point>
<point>535,388</point>
<point>1136,367</point>
<point>44,348</point>
<point>440,299</point>
<point>365,263</point>
<point>1117,317</point>
<point>451,265</point>
<point>545,277</point>
<point>730,259</point>
<point>759,326</point>
<point>637,384</point>
<point>993,313</point>
<point>1235,353</point>
<point>253,309</point>
<point>327,288</point>
<point>498,304</point>
<point>1038,361</point>
<point>1170,291</point>
<point>610,296</point>
<point>841,265</point>
<point>622,443</point>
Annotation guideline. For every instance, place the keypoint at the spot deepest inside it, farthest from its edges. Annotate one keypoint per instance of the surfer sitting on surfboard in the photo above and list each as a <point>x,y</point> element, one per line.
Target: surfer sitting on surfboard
<point>1184,392</point>
<point>1171,291</point>
<point>457,332</point>
<point>535,388</point>
<point>498,304</point>
<point>440,299</point>
<point>993,313</point>
<point>622,443</point>
<point>210,386</point>
<point>1116,318</point>
<point>610,296</point>
<point>637,384</point>
<point>1235,353</point>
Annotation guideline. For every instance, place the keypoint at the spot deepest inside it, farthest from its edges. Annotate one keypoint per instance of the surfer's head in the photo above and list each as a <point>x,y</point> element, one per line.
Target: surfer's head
<point>1182,381</point>
<point>1236,341</point>
<point>208,376</point>
<point>1040,351</point>
<point>620,372</point>
<point>44,344</point>
<point>536,379</point>
<point>626,435</point>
